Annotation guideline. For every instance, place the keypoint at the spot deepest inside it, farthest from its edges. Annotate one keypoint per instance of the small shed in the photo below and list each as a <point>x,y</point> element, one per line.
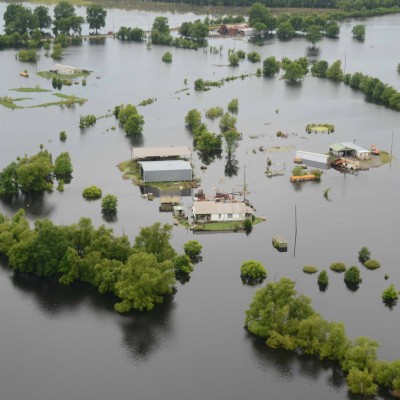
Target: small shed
<point>166,171</point>
<point>167,203</point>
<point>279,243</point>
<point>65,69</point>
<point>315,160</point>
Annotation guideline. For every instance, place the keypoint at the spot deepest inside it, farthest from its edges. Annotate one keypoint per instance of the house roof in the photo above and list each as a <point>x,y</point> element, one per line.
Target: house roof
<point>212,207</point>
<point>141,153</point>
<point>170,165</point>
<point>355,147</point>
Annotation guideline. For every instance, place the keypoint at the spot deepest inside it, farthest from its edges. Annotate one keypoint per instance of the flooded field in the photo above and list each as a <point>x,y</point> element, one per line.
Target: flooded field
<point>69,343</point>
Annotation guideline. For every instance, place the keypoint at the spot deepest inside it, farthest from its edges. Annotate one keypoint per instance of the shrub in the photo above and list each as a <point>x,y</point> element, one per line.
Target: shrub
<point>63,165</point>
<point>241,54</point>
<point>60,186</point>
<point>214,112</point>
<point>323,278</point>
<point>92,193</point>
<point>248,225</point>
<point>310,269</point>
<point>109,204</point>
<point>86,121</point>
<point>252,272</point>
<point>352,275</point>
<point>192,248</point>
<point>372,264</point>
<point>200,85</point>
<point>338,267</point>
<point>167,57</point>
<point>364,255</point>
<point>234,60</point>
<point>233,106</point>
<point>298,171</point>
<point>63,136</point>
<point>27,55</point>
<point>317,173</point>
<point>182,264</point>
<point>390,294</point>
<point>254,57</point>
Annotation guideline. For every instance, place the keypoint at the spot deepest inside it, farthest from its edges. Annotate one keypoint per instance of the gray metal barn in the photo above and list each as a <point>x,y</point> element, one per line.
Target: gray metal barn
<point>166,171</point>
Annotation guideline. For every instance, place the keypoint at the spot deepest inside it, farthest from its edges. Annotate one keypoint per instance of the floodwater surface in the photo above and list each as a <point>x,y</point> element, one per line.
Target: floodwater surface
<point>68,343</point>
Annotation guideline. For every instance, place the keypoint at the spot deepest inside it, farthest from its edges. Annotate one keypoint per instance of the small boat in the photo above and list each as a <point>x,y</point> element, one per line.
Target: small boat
<point>24,74</point>
<point>374,150</point>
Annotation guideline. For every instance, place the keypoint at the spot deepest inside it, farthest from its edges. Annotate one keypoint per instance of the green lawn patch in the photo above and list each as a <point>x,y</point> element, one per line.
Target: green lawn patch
<point>51,75</point>
<point>229,226</point>
<point>385,157</point>
<point>36,89</point>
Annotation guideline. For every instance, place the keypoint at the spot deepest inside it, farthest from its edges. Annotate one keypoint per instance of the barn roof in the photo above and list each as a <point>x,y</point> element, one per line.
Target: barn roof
<point>212,207</point>
<point>141,153</point>
<point>168,165</point>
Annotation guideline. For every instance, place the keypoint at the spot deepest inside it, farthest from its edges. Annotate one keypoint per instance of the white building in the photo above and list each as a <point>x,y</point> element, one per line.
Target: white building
<point>212,211</point>
<point>359,152</point>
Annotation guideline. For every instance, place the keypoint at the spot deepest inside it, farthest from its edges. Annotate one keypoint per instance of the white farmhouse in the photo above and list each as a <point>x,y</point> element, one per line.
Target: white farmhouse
<point>212,211</point>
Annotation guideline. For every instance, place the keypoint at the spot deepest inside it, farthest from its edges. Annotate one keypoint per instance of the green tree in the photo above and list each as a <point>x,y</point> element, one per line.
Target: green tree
<point>96,17</point>
<point>270,66</point>
<point>336,343</point>
<point>9,180</point>
<point>253,57</point>
<point>155,239</point>
<point>252,272</point>
<point>143,282</point>
<point>260,18</point>
<point>192,249</point>
<point>227,123</point>
<point>313,34</point>
<point>361,382</point>
<point>182,264</point>
<point>43,17</point>
<point>390,295</point>
<point>65,19</point>
<point>231,142</point>
<point>134,125</point>
<point>285,31</point>
<point>364,255</point>
<point>109,204</point>
<point>208,143</point>
<point>335,72</point>
<point>294,72</point>
<point>275,313</point>
<point>358,32</point>
<point>19,19</point>
<point>319,69</point>
<point>200,85</point>
<point>34,173</point>
<point>63,165</point>
<point>311,335</point>
<point>233,106</point>
<point>193,119</point>
<point>360,355</point>
<point>332,29</point>
<point>323,278</point>
<point>160,31</point>
<point>233,59</point>
<point>352,276</point>
<point>167,57</point>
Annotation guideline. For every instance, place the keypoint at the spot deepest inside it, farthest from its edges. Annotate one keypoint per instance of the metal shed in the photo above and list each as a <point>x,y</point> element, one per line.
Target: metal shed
<point>166,171</point>
<point>315,160</point>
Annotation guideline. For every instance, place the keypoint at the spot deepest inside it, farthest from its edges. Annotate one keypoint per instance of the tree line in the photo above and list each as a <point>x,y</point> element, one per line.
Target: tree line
<point>35,173</point>
<point>287,320</point>
<point>139,275</point>
<point>24,27</point>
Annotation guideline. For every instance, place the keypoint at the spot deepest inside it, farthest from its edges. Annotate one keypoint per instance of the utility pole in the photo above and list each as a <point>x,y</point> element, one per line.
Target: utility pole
<point>244,183</point>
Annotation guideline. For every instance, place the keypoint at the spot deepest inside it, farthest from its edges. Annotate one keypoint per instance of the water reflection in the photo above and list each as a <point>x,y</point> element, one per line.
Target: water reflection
<point>53,299</point>
<point>231,167</point>
<point>143,333</point>
<point>110,217</point>
<point>34,204</point>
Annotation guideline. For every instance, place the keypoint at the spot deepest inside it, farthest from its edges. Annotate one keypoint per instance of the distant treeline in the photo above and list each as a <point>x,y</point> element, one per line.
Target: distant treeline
<point>347,5</point>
